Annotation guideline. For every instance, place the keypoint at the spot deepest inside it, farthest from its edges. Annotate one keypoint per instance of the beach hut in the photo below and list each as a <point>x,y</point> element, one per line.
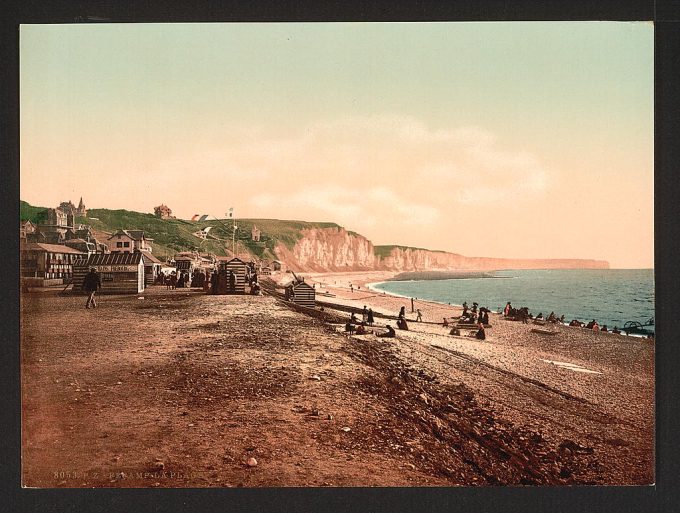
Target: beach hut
<point>301,294</point>
<point>238,269</point>
<point>121,273</point>
<point>152,267</point>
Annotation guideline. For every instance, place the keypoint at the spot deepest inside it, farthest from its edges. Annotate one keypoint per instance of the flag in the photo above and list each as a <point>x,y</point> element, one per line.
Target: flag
<point>195,217</point>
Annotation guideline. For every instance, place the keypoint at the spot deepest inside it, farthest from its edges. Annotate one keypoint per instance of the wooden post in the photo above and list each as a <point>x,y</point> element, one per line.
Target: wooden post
<point>411,305</point>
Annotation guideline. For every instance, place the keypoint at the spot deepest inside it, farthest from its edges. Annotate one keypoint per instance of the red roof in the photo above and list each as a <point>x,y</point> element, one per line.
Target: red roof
<point>50,248</point>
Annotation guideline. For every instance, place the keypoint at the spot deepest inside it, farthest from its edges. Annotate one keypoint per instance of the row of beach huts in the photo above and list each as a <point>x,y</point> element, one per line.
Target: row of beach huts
<point>59,252</point>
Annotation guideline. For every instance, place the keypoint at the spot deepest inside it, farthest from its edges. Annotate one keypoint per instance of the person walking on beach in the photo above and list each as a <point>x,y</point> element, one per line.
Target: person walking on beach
<point>91,284</point>
<point>364,314</point>
<point>481,334</point>
<point>369,317</point>
<point>419,317</point>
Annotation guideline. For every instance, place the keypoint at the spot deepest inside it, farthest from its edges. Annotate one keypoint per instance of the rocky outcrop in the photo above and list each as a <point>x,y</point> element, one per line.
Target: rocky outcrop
<point>336,249</point>
<point>329,249</point>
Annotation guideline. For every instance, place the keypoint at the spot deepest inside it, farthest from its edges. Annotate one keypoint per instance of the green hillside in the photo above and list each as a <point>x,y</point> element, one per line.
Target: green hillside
<point>173,235</point>
<point>30,213</point>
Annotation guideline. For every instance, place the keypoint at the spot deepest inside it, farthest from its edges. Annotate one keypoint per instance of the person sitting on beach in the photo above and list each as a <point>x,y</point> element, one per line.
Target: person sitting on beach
<point>604,329</point>
<point>575,323</point>
<point>353,318</point>
<point>419,317</point>
<point>551,317</point>
<point>481,334</point>
<point>484,317</point>
<point>445,323</point>
<point>474,307</point>
<point>455,331</point>
<point>616,331</point>
<point>591,324</point>
<point>361,329</point>
<point>390,333</point>
<point>402,312</point>
<point>465,310</point>
<point>349,328</point>
<point>506,311</point>
<point>401,324</point>
<point>596,327</point>
<point>539,317</point>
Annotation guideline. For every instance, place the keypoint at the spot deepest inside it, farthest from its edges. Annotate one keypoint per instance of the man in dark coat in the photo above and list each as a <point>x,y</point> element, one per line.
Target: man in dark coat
<point>91,284</point>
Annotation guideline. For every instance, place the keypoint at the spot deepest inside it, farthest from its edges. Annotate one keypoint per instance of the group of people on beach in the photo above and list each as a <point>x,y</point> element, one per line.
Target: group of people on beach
<point>524,315</point>
<point>367,319</point>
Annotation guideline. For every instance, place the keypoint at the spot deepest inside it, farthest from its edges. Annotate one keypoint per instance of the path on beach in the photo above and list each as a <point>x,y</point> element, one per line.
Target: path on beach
<point>180,389</point>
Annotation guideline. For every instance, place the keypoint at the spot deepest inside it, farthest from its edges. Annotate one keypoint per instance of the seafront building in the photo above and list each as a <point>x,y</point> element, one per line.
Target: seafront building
<point>44,265</point>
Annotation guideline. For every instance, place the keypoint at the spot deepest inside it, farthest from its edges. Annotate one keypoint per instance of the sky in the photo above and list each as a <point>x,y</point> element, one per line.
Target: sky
<point>517,140</point>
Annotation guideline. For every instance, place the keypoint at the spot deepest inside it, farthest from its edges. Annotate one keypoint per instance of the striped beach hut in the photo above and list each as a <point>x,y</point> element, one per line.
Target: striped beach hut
<point>238,269</point>
<point>301,294</point>
<point>121,273</point>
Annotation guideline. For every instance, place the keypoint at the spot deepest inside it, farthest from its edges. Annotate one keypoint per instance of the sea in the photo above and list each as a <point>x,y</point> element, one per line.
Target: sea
<point>610,296</point>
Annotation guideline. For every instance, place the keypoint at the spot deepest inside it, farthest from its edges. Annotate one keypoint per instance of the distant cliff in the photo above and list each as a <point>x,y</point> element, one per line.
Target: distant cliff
<point>301,245</point>
<point>336,249</point>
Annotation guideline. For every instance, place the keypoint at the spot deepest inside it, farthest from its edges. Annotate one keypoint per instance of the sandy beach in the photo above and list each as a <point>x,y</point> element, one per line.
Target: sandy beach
<point>181,389</point>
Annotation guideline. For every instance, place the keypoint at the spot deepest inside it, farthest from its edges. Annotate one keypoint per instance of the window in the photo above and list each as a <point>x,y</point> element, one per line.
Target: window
<point>126,244</point>
<point>119,244</point>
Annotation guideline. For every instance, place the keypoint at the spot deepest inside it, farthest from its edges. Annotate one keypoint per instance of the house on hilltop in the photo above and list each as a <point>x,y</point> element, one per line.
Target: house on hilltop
<point>163,211</point>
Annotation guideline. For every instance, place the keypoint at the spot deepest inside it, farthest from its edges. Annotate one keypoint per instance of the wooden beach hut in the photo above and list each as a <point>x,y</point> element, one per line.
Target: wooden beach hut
<point>152,267</point>
<point>301,294</point>
<point>236,270</point>
<point>121,273</point>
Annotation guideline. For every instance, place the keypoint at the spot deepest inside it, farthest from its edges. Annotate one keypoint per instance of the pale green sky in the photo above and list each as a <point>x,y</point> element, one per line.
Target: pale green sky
<point>547,123</point>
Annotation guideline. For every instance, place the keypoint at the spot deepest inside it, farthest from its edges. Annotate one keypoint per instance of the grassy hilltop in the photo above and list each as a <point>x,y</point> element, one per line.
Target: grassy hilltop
<point>174,235</point>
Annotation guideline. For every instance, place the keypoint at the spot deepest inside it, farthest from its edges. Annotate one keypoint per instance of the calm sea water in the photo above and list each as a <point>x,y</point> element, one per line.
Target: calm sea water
<point>611,296</point>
